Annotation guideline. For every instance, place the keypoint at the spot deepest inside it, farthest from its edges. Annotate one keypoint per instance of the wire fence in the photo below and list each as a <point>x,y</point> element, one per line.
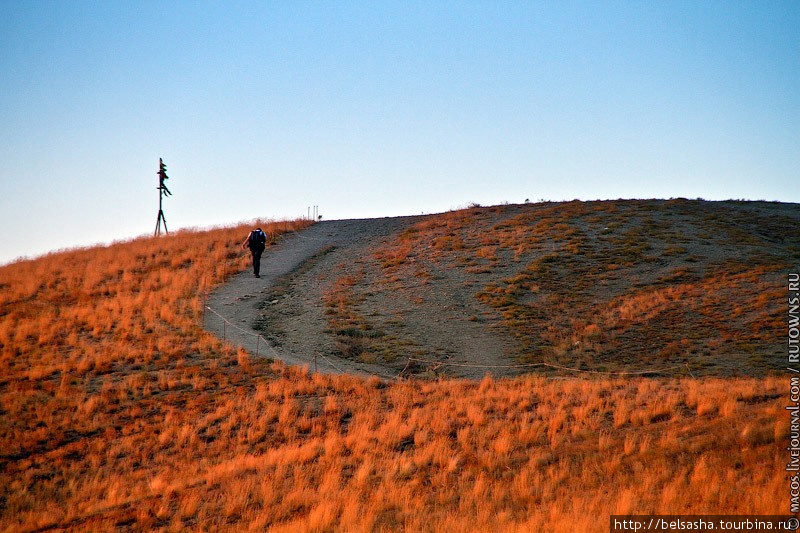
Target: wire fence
<point>435,366</point>
<point>259,340</point>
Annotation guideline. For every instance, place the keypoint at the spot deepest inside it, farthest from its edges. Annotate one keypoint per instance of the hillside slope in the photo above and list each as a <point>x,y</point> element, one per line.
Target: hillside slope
<point>118,411</point>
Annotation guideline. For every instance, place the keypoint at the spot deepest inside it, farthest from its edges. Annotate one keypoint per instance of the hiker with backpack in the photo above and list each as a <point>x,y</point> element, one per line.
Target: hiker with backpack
<point>256,240</point>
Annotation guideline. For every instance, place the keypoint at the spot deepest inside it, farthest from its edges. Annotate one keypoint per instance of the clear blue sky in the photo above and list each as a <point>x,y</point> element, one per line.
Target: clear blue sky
<point>383,108</point>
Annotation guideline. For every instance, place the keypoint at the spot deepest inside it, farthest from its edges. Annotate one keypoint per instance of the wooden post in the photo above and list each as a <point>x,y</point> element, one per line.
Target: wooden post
<point>315,362</point>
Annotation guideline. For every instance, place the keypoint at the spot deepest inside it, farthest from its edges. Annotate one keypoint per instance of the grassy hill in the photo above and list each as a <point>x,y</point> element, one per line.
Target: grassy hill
<point>118,410</point>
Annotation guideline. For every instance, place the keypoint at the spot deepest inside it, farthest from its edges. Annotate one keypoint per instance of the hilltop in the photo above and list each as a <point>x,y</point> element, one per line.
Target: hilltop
<point>688,287</point>
<point>118,410</point>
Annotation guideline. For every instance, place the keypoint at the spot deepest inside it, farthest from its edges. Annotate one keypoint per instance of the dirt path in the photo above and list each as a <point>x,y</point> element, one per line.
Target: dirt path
<point>287,306</point>
<point>239,300</point>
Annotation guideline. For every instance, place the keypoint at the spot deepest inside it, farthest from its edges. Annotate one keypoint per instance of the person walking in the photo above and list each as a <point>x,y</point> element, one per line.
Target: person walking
<point>256,240</point>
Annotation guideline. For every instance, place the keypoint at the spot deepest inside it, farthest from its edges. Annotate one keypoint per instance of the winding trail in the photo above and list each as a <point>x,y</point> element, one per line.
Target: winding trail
<point>238,300</point>
<point>419,319</point>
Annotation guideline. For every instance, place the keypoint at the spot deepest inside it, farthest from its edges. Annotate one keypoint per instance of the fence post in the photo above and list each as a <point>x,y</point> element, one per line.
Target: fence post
<point>315,362</point>
<point>258,338</point>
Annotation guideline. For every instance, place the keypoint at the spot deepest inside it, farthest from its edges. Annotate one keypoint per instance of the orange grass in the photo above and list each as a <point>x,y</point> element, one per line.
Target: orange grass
<point>118,411</point>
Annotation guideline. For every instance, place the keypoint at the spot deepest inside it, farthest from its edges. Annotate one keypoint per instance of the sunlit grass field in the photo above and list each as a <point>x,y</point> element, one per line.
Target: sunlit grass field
<point>119,411</point>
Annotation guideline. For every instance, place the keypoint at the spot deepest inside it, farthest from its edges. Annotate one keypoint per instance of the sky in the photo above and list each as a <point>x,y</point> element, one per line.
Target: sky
<point>370,109</point>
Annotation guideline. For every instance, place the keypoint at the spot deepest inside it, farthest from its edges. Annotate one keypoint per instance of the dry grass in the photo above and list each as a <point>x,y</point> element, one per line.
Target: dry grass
<point>356,336</point>
<point>118,411</point>
<point>353,332</point>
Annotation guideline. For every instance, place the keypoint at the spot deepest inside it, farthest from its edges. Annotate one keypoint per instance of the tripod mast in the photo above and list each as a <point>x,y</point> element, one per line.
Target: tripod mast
<point>162,190</point>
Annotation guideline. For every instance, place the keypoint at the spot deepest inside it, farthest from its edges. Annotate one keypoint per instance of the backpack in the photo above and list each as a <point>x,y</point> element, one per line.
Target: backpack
<point>258,239</point>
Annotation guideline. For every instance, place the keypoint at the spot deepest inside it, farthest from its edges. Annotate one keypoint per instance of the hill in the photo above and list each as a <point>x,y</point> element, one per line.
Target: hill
<point>119,411</point>
<point>627,286</point>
